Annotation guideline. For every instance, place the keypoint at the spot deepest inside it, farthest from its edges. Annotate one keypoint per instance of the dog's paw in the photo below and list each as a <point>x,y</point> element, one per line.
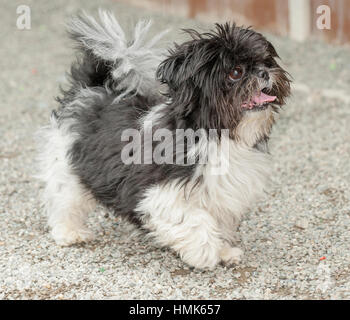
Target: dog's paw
<point>231,255</point>
<point>65,236</point>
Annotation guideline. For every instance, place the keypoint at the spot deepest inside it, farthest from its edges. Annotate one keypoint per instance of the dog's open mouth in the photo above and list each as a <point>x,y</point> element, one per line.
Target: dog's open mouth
<point>260,100</point>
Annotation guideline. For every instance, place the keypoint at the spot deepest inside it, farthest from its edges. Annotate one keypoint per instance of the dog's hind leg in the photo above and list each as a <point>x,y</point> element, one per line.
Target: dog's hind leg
<point>66,202</point>
<point>67,208</point>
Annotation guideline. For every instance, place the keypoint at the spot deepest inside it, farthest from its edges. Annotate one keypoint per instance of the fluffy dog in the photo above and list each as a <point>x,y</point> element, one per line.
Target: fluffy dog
<point>215,96</point>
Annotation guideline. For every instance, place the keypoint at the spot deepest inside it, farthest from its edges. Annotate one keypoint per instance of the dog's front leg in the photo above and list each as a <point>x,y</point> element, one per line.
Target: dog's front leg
<point>194,235</point>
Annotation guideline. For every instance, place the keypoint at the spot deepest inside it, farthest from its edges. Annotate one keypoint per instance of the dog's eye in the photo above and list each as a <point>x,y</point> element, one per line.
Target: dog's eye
<point>236,74</point>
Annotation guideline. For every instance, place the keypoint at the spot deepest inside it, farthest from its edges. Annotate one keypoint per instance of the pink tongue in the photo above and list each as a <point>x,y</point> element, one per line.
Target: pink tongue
<point>262,98</point>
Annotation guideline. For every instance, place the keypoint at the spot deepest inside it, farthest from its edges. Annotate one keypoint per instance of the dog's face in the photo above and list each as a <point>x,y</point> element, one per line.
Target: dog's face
<point>217,78</point>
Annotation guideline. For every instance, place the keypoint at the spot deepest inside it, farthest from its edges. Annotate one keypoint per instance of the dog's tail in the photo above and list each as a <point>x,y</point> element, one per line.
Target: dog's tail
<point>110,60</point>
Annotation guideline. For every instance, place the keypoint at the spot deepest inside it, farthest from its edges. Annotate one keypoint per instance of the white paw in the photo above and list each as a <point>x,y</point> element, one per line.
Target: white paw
<point>201,258</point>
<point>231,255</point>
<point>65,236</point>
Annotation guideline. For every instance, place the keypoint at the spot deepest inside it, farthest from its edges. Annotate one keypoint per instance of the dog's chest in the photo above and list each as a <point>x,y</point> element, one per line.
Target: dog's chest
<point>233,178</point>
<point>223,191</point>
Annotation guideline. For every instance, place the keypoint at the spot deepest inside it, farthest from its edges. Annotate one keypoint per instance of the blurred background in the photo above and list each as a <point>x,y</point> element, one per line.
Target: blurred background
<point>296,240</point>
<point>278,16</point>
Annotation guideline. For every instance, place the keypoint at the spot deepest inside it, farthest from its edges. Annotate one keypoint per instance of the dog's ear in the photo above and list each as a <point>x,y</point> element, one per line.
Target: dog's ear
<point>183,64</point>
<point>169,71</point>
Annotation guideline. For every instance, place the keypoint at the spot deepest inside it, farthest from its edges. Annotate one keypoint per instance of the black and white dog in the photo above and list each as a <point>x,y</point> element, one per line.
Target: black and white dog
<point>110,140</point>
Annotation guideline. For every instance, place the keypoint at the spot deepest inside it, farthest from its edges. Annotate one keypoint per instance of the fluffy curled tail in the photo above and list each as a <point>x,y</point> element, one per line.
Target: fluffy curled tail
<point>110,59</point>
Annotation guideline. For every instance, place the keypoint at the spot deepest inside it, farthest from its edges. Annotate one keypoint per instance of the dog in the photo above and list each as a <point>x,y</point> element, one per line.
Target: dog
<point>215,95</point>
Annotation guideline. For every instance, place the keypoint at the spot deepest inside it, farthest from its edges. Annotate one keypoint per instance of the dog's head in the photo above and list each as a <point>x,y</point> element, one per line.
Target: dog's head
<point>220,78</point>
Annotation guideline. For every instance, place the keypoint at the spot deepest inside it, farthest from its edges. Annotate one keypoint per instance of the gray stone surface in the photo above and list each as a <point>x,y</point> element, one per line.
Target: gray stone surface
<point>296,240</point>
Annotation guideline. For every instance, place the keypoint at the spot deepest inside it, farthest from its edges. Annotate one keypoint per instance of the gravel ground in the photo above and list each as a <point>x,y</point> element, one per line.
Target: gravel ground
<point>296,240</point>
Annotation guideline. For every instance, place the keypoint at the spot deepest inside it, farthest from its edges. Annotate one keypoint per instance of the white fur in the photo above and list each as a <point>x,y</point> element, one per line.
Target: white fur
<point>135,61</point>
<point>254,126</point>
<point>152,117</point>
<point>201,226</point>
<point>66,202</point>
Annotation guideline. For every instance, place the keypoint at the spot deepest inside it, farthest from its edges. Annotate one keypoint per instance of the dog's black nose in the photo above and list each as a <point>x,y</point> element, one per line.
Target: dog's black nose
<point>264,74</point>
